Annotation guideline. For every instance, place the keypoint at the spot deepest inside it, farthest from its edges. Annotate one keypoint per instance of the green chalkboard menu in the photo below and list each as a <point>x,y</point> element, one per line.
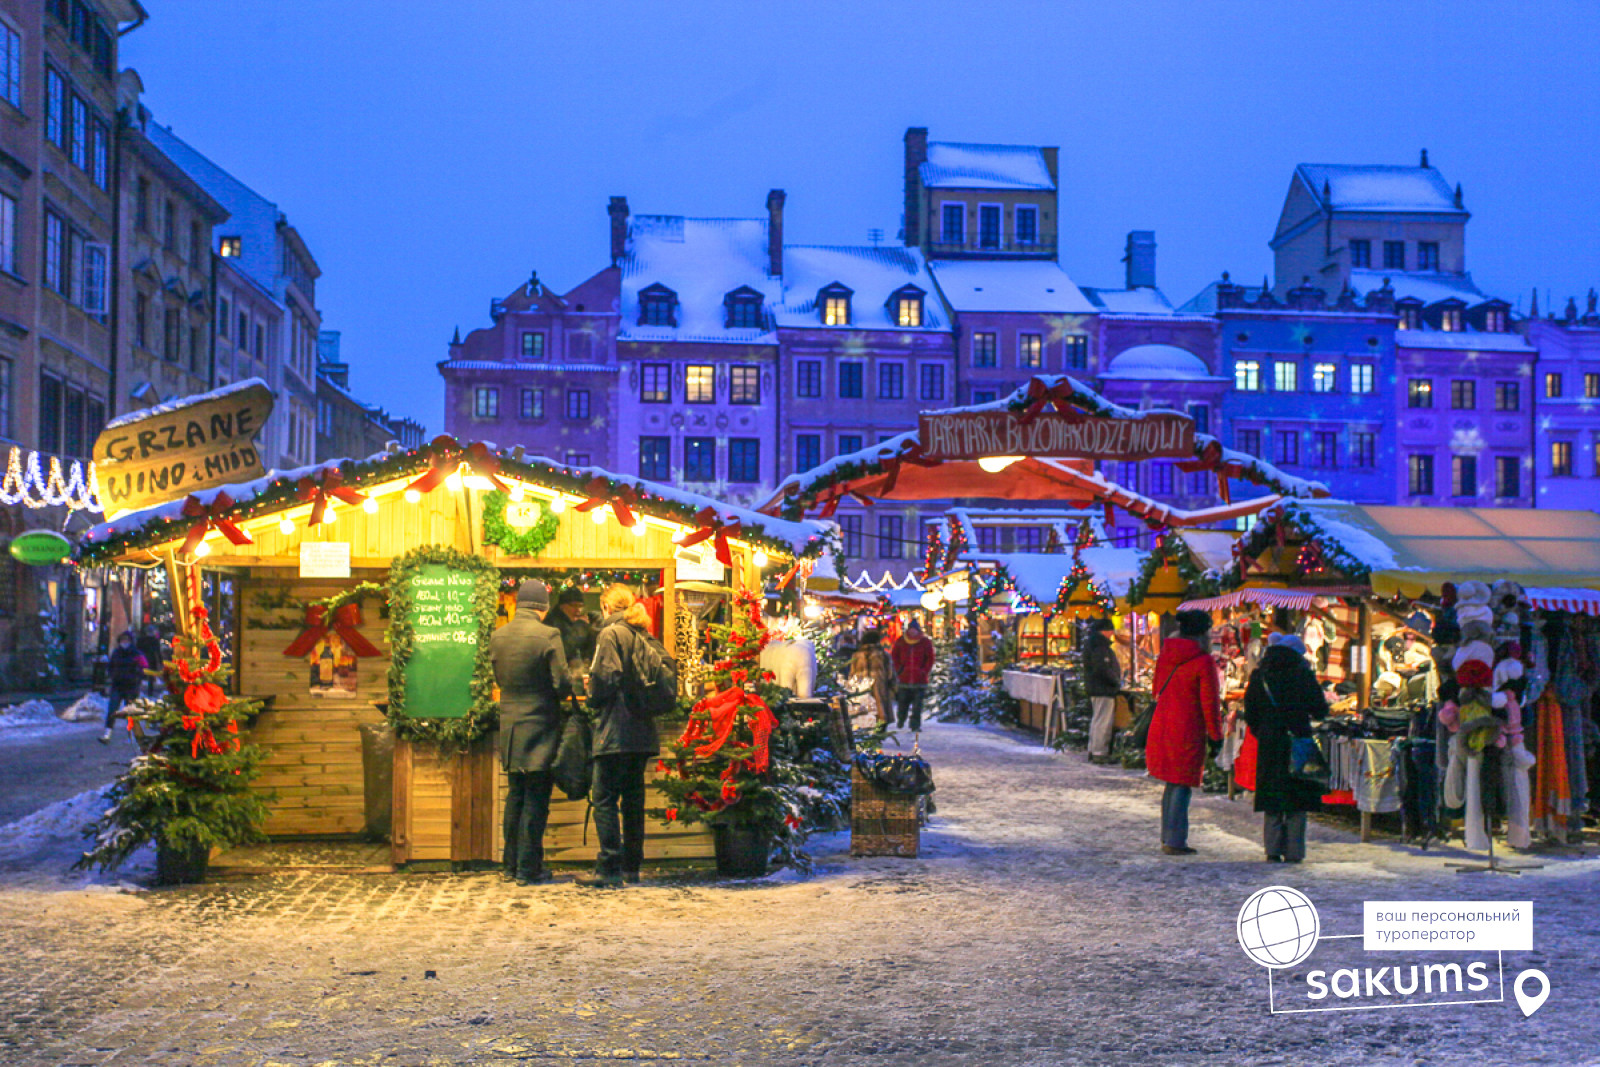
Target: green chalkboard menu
<point>444,635</point>
<point>441,617</point>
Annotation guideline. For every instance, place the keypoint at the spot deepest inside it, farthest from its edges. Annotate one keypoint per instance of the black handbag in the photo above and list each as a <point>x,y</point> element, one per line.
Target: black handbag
<point>903,775</point>
<point>1139,733</point>
<point>573,755</point>
<point>1306,762</point>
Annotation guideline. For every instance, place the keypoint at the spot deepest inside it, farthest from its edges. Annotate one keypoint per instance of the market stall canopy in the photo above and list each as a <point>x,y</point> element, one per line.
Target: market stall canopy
<point>443,465</point>
<point>1411,551</point>
<point>1046,436</point>
<point>1576,601</point>
<point>1296,599</point>
<point>1048,580</point>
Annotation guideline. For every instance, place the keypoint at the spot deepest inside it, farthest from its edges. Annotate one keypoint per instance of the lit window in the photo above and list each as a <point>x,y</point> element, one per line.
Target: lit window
<point>908,311</point>
<point>655,383</point>
<point>1561,459</point>
<point>744,459</point>
<point>700,384</point>
<point>1360,253</point>
<point>1077,352</point>
<point>836,311</point>
<point>1361,377</point>
<point>1507,477</point>
<point>1450,320</point>
<point>985,351</point>
<point>1427,255</point>
<point>532,345</point>
<point>1410,316</point>
<point>808,379</point>
<point>1464,476</point>
<point>1494,320</point>
<point>1247,375</point>
<point>1507,396</point>
<point>1463,395</point>
<point>532,404</point>
<point>1324,377</point>
<point>486,402</point>
<point>655,458</point>
<point>931,381</point>
<point>1285,376</point>
<point>230,247</point>
<point>1591,383</point>
<point>1419,393</point>
<point>1030,351</point>
<point>1552,386</point>
<point>1419,475</point>
<point>577,403</point>
<point>744,384</point>
<point>700,459</point>
<point>891,381</point>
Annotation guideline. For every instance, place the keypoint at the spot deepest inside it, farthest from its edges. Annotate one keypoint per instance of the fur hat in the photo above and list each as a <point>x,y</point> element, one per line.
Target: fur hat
<point>1475,673</point>
<point>1471,593</point>
<point>1478,651</point>
<point>1507,670</point>
<point>1474,613</point>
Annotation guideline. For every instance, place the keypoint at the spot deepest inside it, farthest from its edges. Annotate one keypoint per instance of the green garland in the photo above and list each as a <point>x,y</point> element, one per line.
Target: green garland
<point>350,596</point>
<point>1173,549</point>
<point>483,715</point>
<point>510,540</point>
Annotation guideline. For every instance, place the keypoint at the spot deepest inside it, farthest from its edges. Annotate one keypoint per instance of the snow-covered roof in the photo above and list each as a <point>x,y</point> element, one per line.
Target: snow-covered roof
<point>186,401</point>
<point>1463,341</point>
<point>702,261</point>
<point>1145,300</point>
<point>1158,363</point>
<point>871,273</point>
<point>1380,187</point>
<point>985,166</point>
<point>527,365</point>
<point>1037,285</point>
<point>1429,288</point>
<point>1038,575</point>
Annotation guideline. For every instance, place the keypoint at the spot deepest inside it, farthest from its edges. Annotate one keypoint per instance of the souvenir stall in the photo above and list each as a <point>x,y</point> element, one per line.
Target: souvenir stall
<point>367,591</point>
<point>1440,664</point>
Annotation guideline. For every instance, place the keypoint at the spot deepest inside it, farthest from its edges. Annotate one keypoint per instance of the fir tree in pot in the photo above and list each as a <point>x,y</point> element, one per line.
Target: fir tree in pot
<point>189,789</point>
<point>720,769</point>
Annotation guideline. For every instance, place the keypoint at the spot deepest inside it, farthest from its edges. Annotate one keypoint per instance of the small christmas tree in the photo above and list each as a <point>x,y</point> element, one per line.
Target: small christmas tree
<point>189,790</point>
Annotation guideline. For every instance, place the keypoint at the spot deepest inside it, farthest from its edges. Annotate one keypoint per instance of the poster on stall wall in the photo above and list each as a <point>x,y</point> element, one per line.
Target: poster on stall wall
<point>333,668</point>
<point>699,563</point>
<point>324,559</point>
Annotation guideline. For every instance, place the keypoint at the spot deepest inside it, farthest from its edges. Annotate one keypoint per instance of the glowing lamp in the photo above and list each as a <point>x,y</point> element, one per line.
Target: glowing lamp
<point>477,481</point>
<point>638,527</point>
<point>286,526</point>
<point>760,558</point>
<point>412,496</point>
<point>558,505</point>
<point>931,600</point>
<point>996,464</point>
<point>599,516</point>
<point>453,482</point>
<point>516,491</point>
<point>813,610</point>
<point>370,506</point>
<point>202,549</point>
<point>955,592</point>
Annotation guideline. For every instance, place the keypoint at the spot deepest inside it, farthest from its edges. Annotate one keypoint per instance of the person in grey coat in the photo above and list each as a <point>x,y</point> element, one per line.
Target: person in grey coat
<point>531,670</point>
<point>625,740</point>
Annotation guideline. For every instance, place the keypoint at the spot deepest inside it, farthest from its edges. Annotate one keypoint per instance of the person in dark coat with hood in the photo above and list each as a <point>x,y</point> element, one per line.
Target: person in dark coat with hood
<point>1102,681</point>
<point>125,675</point>
<point>1187,722</point>
<point>531,670</point>
<point>1281,701</point>
<point>625,739</point>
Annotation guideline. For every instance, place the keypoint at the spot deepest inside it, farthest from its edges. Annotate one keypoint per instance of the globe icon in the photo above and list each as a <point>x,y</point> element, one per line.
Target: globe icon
<point>1278,926</point>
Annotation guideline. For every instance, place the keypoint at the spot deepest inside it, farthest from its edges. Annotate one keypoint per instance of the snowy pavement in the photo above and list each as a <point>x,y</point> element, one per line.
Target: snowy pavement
<point>1041,926</point>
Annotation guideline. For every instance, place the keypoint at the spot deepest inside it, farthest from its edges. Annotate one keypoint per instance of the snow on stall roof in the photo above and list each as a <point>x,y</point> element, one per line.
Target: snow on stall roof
<point>1430,288</point>
<point>702,261</point>
<point>1463,340</point>
<point>1211,549</point>
<point>1038,285</point>
<point>871,273</point>
<point>1380,187</point>
<point>798,534</point>
<point>951,165</point>
<point>189,400</point>
<point>1349,527</point>
<point>1038,574</point>
<point>1141,301</point>
<point>1158,363</point>
<point>529,365</point>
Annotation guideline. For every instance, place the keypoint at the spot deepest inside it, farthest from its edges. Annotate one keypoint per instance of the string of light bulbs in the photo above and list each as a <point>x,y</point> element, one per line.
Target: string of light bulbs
<point>25,483</point>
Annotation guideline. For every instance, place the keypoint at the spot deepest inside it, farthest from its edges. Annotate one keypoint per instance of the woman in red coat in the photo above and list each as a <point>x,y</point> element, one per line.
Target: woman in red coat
<point>1187,721</point>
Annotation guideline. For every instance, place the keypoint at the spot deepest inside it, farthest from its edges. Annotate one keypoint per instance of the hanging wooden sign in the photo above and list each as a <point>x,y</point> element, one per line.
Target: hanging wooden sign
<point>969,435</point>
<point>199,442</point>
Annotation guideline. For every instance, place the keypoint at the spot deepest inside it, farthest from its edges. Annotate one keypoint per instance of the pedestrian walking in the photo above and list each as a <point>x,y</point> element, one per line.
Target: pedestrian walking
<point>1281,701</point>
<point>625,739</point>
<point>530,667</point>
<point>150,648</point>
<point>912,658</point>
<point>125,674</point>
<point>1102,681</point>
<point>872,665</point>
<point>1186,724</point>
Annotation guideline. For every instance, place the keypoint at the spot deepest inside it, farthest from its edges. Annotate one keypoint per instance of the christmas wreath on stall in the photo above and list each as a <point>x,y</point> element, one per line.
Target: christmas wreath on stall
<point>483,713</point>
<point>509,539</point>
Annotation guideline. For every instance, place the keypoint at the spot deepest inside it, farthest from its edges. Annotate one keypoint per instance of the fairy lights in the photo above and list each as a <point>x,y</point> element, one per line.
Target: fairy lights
<point>25,483</point>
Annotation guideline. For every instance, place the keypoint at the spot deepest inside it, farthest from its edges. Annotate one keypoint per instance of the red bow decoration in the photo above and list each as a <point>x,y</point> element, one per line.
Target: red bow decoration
<point>801,566</point>
<point>1041,396</point>
<point>623,499</point>
<point>332,485</point>
<point>210,517</point>
<point>485,463</point>
<point>712,526</point>
<point>344,623</point>
<point>443,454</point>
<point>724,709</point>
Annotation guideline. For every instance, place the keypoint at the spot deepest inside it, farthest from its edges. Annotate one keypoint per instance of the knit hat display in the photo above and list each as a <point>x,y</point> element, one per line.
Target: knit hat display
<point>1470,593</point>
<point>1474,613</point>
<point>1473,651</point>
<point>1475,673</point>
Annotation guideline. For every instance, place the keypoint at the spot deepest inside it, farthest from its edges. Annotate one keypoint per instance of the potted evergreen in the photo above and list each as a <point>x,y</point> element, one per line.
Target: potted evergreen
<point>188,791</point>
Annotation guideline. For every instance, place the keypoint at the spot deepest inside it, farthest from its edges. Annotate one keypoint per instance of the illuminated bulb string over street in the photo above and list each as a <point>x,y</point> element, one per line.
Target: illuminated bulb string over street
<point>24,483</point>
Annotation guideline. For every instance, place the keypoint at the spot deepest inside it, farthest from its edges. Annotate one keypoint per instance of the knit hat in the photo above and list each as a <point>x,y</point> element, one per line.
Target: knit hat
<point>1471,593</point>
<point>1475,673</point>
<point>1474,613</point>
<point>1194,623</point>
<point>1478,651</point>
<point>1507,670</point>
<point>570,595</point>
<point>1290,641</point>
<point>533,594</point>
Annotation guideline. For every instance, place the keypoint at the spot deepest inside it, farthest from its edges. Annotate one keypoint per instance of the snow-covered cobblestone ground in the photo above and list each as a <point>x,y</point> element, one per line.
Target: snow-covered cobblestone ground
<point>1041,927</point>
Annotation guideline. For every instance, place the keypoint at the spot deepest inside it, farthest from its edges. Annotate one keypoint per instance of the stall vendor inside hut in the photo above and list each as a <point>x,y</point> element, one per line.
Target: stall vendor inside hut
<point>577,628</point>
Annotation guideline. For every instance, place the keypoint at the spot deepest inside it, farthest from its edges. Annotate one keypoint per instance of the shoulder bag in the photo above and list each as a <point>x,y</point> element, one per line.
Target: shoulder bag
<point>1306,762</point>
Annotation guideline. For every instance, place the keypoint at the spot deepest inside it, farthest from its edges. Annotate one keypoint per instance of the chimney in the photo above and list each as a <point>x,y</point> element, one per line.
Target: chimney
<point>775,201</point>
<point>1424,162</point>
<point>1050,152</point>
<point>916,156</point>
<point>1140,259</point>
<point>618,210</point>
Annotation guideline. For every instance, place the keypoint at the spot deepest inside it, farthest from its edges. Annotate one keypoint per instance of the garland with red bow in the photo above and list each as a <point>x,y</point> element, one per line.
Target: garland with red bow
<point>445,454</point>
<point>318,492</point>
<point>343,619</point>
<point>210,517</point>
<point>712,527</point>
<point>624,499</point>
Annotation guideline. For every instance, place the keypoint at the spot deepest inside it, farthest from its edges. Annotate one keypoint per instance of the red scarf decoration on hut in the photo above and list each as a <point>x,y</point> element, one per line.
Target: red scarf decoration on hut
<point>201,698</point>
<point>345,622</point>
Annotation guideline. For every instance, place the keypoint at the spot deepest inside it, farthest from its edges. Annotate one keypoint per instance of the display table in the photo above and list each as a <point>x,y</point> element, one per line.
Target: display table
<point>1039,695</point>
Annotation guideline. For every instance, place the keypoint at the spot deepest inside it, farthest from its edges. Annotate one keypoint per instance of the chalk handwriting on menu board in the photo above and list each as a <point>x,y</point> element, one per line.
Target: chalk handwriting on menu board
<point>444,627</point>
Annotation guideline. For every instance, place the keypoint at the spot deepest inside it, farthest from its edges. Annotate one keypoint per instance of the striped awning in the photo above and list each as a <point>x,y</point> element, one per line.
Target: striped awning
<point>1556,598</point>
<point>1296,599</point>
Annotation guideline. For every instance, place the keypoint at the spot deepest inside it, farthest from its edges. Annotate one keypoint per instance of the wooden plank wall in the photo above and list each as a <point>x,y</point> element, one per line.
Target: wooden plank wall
<point>313,743</point>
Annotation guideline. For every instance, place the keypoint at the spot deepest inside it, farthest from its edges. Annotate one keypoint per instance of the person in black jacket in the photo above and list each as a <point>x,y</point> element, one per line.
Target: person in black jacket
<point>625,740</point>
<point>125,673</point>
<point>531,669</point>
<point>1281,701</point>
<point>1102,681</point>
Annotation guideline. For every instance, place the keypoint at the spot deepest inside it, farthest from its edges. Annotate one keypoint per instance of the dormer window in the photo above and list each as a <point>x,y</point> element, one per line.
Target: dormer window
<point>658,306</point>
<point>1410,312</point>
<point>833,302</point>
<point>1450,320</point>
<point>1494,320</point>
<point>742,309</point>
<point>905,306</point>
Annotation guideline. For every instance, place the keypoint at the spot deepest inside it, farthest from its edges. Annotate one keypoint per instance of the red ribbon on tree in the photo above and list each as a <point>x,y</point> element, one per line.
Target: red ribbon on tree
<point>622,498</point>
<point>210,517</point>
<point>345,621</point>
<point>332,485</point>
<point>1041,396</point>
<point>712,526</point>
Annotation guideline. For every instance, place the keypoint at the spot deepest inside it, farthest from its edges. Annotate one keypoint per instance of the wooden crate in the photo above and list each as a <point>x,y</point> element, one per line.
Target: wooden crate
<point>882,823</point>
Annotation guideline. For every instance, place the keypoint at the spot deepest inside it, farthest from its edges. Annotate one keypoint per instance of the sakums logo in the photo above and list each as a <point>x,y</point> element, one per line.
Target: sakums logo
<point>1279,928</point>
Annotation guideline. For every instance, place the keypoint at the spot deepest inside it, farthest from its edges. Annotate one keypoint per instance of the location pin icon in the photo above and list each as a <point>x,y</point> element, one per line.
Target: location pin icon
<point>1533,1003</point>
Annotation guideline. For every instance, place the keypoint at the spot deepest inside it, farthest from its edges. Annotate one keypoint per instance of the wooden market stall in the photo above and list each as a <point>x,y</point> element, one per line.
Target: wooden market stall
<point>368,589</point>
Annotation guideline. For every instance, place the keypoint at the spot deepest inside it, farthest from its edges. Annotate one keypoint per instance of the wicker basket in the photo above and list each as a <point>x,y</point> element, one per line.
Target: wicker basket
<point>881,823</point>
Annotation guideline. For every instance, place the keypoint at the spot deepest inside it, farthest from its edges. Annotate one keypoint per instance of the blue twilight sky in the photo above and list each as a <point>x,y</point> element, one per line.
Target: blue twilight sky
<point>432,154</point>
